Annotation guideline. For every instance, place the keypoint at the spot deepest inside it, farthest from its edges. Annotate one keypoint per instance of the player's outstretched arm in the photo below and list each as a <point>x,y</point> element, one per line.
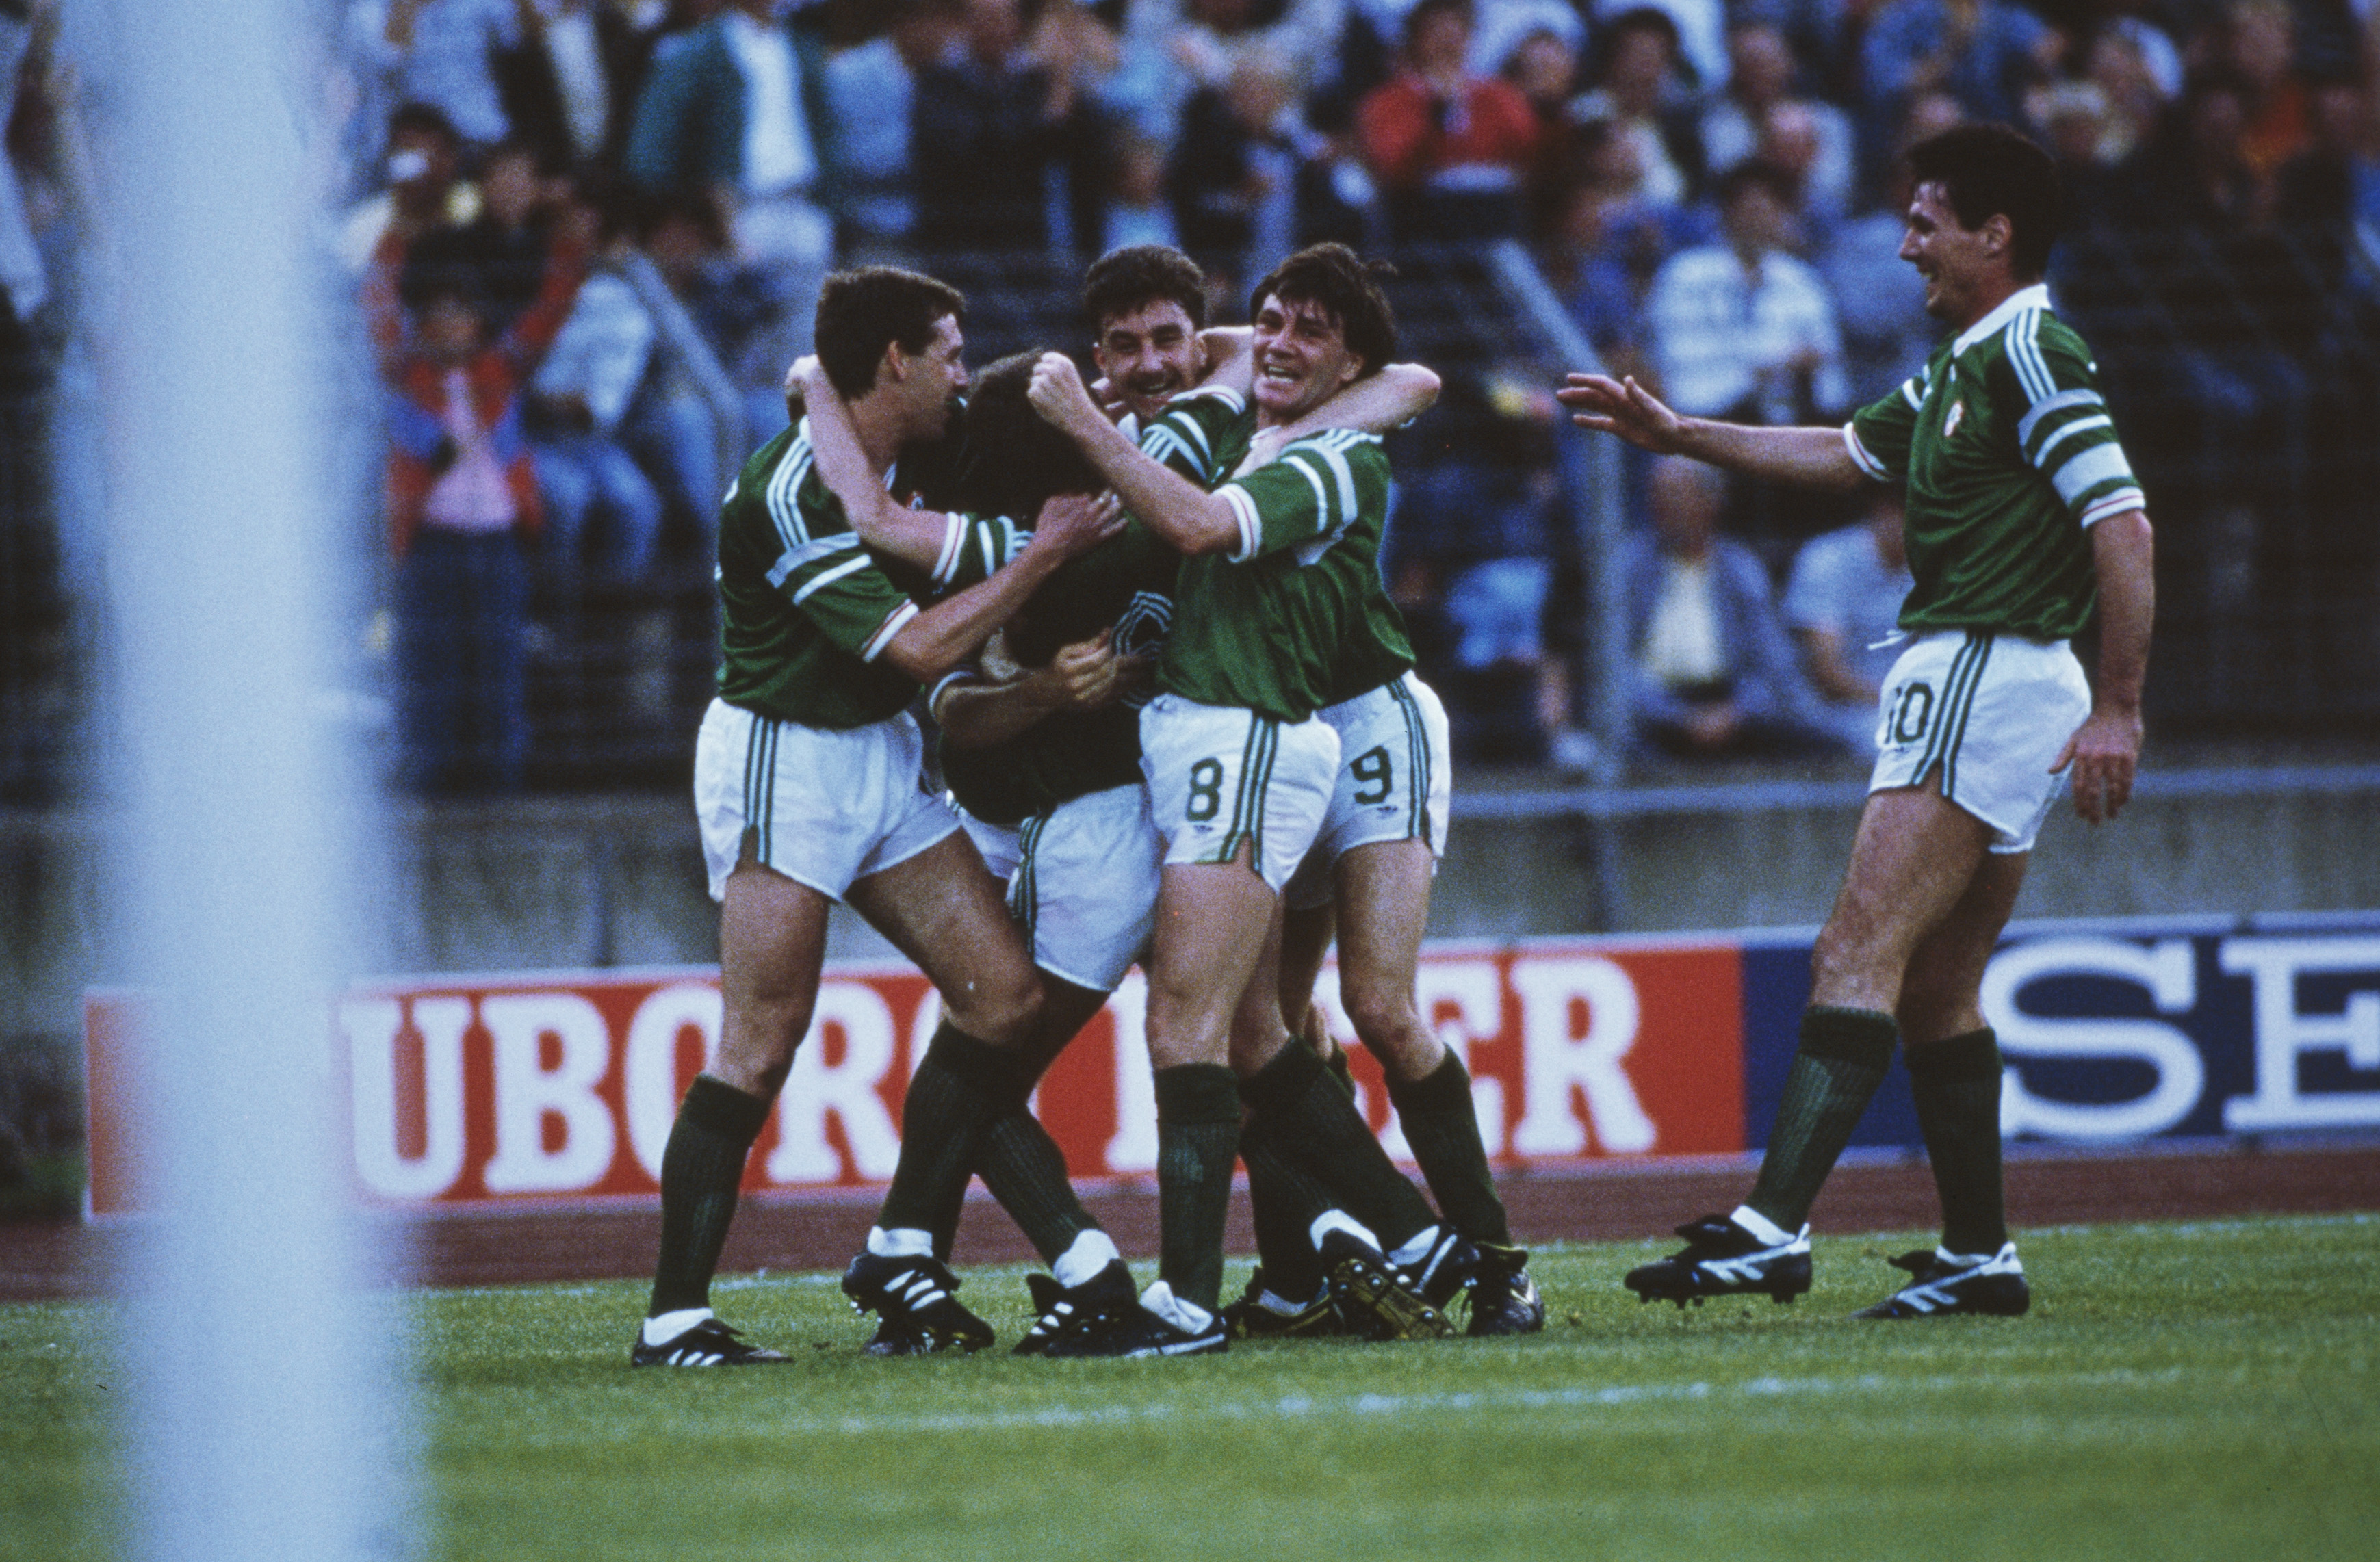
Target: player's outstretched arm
<point>1086,676</point>
<point>2106,750</point>
<point>955,628</point>
<point>1176,509</point>
<point>888,526</point>
<point>1813,457</point>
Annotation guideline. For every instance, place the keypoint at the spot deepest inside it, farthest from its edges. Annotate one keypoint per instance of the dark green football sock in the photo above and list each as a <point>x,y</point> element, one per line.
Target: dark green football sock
<point>1286,1203</point>
<point>1197,1139</point>
<point>1026,1172</point>
<point>1843,1058</point>
<point>1443,1128</point>
<point>1313,1122</point>
<point>951,1095</point>
<point>702,1167</point>
<point>1956,1083</point>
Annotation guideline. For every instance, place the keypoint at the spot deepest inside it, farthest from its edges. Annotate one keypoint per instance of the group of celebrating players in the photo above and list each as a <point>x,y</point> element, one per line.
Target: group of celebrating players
<point>1179,726</point>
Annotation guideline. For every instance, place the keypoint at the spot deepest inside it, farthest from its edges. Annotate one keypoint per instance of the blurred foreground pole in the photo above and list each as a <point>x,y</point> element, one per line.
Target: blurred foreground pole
<point>260,1424</point>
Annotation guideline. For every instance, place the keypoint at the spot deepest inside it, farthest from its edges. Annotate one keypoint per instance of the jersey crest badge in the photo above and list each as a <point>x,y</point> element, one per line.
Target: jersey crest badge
<point>1950,423</point>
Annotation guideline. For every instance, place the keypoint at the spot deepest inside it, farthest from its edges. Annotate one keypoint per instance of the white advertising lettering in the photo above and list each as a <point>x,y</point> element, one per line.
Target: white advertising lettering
<point>530,1096</point>
<point>2285,1032</point>
<point>1557,1060</point>
<point>2165,969</point>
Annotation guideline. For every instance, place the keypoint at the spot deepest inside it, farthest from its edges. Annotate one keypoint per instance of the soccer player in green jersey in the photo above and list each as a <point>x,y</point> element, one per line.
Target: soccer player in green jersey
<point>2022,519</point>
<point>807,788</point>
<point>1041,753</point>
<point>1240,770</point>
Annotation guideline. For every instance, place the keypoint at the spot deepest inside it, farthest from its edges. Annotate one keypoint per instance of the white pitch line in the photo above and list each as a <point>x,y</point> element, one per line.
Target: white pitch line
<point>1301,1407</point>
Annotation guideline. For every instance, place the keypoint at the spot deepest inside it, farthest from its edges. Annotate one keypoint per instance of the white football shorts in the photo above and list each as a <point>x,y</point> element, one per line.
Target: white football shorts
<point>1084,885</point>
<point>1990,711</point>
<point>824,808</point>
<point>1396,780</point>
<point>1220,777</point>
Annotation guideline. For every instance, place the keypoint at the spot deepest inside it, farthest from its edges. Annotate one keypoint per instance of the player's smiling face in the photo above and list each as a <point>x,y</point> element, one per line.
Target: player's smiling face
<point>1149,354</point>
<point>1957,263</point>
<point>1302,357</point>
<point>938,378</point>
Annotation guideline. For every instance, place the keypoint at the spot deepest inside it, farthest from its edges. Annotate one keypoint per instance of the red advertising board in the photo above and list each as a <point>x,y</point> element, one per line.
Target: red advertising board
<point>564,1085</point>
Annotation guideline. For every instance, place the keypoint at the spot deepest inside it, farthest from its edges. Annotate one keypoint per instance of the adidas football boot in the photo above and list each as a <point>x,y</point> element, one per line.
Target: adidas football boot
<point>911,1297</point>
<point>1951,1282</point>
<point>1721,1258</point>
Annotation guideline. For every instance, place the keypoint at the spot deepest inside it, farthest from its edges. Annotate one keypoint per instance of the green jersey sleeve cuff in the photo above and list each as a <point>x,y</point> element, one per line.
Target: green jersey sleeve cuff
<point>1862,459</point>
<point>892,625</point>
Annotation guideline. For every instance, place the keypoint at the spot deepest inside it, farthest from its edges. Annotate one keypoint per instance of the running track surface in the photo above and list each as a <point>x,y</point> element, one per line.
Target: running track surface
<point>1595,1202</point>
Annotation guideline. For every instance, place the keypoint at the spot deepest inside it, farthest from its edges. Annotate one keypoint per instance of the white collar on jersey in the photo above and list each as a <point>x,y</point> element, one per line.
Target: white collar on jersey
<point>2033,297</point>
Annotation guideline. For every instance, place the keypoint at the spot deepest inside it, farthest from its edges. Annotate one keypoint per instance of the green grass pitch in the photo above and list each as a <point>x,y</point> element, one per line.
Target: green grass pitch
<point>2180,1391</point>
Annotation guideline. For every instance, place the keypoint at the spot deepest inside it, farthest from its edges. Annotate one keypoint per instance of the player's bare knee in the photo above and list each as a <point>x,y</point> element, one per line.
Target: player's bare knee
<point>1389,1025</point>
<point>1004,1011</point>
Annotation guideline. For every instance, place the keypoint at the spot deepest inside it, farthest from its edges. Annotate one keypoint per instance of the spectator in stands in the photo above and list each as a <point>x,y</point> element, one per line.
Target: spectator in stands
<point>442,53</point>
<point>1543,66</point>
<point>1984,53</point>
<point>1138,211</point>
<point>988,129</point>
<point>1742,329</point>
<point>421,187</point>
<point>1697,35</point>
<point>1843,606</point>
<point>872,90</point>
<point>577,400</point>
<point>1250,181</point>
<point>1715,674</point>
<point>568,82</point>
<point>2259,44</point>
<point>1879,299</point>
<point>1451,151</point>
<point>736,110</point>
<point>1638,89</point>
<point>1736,126</point>
<point>462,500</point>
<point>1201,42</point>
<point>507,243</point>
<point>671,424</point>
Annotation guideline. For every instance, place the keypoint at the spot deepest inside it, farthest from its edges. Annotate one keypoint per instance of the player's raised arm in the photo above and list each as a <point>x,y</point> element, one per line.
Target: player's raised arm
<point>948,633</point>
<point>974,712</point>
<point>1816,457</point>
<point>922,538</point>
<point>2106,750</point>
<point>1176,509</point>
<point>1375,403</point>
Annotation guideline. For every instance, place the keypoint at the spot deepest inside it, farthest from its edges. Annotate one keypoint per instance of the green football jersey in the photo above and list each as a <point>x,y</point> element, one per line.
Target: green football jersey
<point>2007,456</point>
<point>1125,585</point>
<point>1267,627</point>
<point>805,610</point>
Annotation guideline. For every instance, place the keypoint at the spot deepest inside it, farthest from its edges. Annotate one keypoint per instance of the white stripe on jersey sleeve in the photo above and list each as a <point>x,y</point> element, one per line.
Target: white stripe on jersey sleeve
<point>784,510</point>
<point>2023,342</point>
<point>2089,469</point>
<point>1243,510</point>
<point>810,552</point>
<point>1333,455</point>
<point>892,626</point>
<point>946,563</point>
<point>1861,458</point>
<point>822,581</point>
<point>2079,426</point>
<point>2057,403</point>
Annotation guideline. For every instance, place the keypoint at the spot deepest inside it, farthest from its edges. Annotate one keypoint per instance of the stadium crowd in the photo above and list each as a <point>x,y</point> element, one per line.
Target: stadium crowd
<point>576,223</point>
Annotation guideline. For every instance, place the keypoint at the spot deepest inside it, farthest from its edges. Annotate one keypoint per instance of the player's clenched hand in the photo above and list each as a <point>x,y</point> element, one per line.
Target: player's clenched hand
<point>1057,394</point>
<point>1622,407</point>
<point>1089,674</point>
<point>805,377</point>
<point>2106,753</point>
<point>1075,523</point>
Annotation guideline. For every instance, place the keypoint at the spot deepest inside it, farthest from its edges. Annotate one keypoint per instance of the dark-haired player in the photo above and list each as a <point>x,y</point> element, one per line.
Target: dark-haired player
<point>1043,757</point>
<point>806,788</point>
<point>2023,517</point>
<point>1277,578</point>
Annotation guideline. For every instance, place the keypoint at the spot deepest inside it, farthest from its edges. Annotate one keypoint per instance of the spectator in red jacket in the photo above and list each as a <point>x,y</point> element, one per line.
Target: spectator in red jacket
<point>462,503</point>
<point>1452,150</point>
